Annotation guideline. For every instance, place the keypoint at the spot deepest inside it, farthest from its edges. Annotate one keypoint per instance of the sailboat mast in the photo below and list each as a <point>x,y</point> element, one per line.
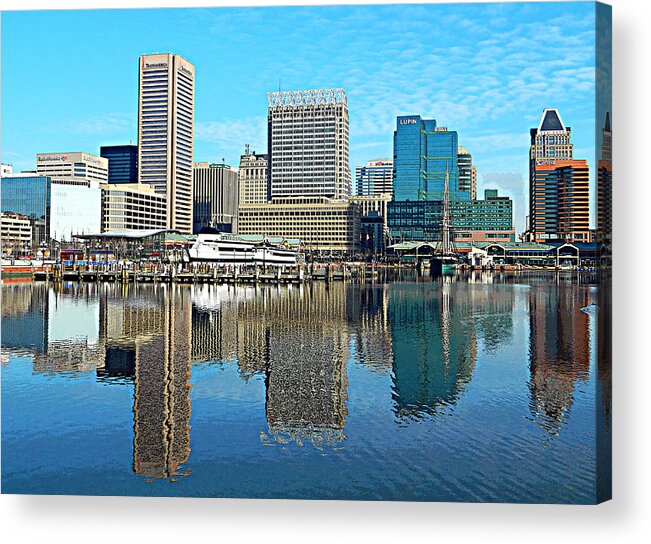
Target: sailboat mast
<point>445,221</point>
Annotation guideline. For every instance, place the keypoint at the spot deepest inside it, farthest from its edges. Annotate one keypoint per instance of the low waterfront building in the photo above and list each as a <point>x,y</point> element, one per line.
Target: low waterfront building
<point>376,178</point>
<point>215,197</point>
<point>74,166</point>
<point>323,224</point>
<point>132,206</point>
<point>16,233</point>
<point>509,253</point>
<point>253,178</point>
<point>122,162</point>
<point>487,220</point>
<point>133,244</point>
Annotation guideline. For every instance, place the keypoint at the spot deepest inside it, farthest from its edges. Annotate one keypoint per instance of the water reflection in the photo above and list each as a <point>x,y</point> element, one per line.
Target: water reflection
<point>559,351</point>
<point>422,339</point>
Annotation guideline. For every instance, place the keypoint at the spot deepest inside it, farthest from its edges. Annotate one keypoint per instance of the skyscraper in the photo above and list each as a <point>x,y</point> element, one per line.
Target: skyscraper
<point>123,162</point>
<point>422,153</point>
<point>308,144</point>
<point>166,133</point>
<point>467,172</point>
<point>605,185</point>
<point>253,178</point>
<point>376,178</point>
<point>559,198</point>
<point>215,197</point>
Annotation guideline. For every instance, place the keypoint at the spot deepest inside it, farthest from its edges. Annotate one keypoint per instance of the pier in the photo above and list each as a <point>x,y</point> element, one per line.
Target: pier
<point>194,274</point>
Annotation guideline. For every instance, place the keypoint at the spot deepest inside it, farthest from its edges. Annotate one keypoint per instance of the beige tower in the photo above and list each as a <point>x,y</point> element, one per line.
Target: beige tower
<point>166,133</point>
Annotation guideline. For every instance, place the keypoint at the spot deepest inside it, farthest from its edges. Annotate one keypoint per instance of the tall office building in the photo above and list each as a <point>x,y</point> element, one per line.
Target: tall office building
<point>605,185</point>
<point>253,178</point>
<point>308,144</point>
<point>215,197</point>
<point>467,172</point>
<point>422,153</point>
<point>559,198</point>
<point>166,133</point>
<point>75,168</point>
<point>123,162</point>
<point>552,139</point>
<point>376,178</point>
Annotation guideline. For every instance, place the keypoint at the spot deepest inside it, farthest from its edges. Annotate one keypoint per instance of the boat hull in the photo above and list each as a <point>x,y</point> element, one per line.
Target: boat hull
<point>214,249</point>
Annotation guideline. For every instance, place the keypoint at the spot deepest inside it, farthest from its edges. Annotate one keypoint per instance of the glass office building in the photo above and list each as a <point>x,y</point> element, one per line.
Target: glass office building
<point>30,196</point>
<point>123,162</point>
<point>490,219</point>
<point>422,152</point>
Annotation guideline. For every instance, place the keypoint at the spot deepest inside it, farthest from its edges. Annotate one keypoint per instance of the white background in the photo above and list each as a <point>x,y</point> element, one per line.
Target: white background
<point>625,519</point>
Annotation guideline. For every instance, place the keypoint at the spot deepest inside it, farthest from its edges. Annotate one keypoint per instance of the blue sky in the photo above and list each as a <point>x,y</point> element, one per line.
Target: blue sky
<point>69,78</point>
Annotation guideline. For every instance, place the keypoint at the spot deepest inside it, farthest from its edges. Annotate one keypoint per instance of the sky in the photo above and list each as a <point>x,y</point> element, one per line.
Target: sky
<point>70,78</point>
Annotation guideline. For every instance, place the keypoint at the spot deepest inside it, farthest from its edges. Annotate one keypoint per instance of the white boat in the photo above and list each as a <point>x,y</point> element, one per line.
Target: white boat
<point>217,247</point>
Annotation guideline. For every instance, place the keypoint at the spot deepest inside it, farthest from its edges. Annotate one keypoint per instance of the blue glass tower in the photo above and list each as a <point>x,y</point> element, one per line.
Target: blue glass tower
<point>421,153</point>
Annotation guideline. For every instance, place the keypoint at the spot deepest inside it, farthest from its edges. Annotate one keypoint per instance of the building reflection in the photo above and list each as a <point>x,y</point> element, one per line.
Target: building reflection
<point>147,331</point>
<point>436,331</point>
<point>559,351</point>
<point>368,312</point>
<point>299,339</point>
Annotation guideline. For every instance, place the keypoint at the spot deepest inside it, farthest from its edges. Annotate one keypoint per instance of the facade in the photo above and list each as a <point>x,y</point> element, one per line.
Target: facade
<point>254,178</point>
<point>324,225</point>
<point>558,184</point>
<point>166,133</point>
<point>422,153</point>
<point>487,220</point>
<point>375,178</point>
<point>123,162</point>
<point>552,139</point>
<point>74,210</point>
<point>132,206</point>
<point>16,233</point>
<point>561,201</point>
<point>372,205</point>
<point>372,234</point>
<point>56,210</point>
<point>605,186</point>
<point>467,172</point>
<point>308,144</point>
<point>75,167</point>
<point>215,196</point>
<point>29,196</point>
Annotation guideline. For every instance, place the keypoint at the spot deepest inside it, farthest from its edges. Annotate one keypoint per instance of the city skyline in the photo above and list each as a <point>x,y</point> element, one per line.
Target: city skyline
<point>492,105</point>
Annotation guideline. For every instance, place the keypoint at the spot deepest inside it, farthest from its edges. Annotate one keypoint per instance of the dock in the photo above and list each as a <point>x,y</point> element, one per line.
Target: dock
<point>207,274</point>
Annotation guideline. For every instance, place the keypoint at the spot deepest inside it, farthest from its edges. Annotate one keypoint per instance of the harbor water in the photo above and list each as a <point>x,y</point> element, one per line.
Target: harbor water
<point>481,387</point>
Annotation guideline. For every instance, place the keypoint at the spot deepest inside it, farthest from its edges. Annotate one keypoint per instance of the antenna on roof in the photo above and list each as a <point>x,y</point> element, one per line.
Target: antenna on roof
<point>279,80</point>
